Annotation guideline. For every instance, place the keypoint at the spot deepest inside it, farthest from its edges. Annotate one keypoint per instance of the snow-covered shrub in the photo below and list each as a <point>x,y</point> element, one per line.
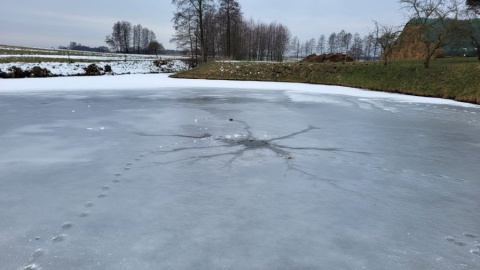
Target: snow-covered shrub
<point>159,63</point>
<point>38,72</point>
<point>92,70</point>
<point>16,72</point>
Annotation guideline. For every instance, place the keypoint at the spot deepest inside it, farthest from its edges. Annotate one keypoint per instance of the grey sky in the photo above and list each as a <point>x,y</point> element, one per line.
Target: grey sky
<point>50,23</point>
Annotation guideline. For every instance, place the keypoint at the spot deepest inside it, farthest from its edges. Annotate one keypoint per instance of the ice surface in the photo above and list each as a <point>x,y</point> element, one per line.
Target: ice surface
<point>270,176</point>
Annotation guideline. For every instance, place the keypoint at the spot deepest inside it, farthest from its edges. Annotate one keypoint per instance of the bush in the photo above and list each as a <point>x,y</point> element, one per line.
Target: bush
<point>159,63</point>
<point>92,70</point>
<point>108,68</point>
<point>16,72</point>
<point>3,75</point>
<point>39,72</point>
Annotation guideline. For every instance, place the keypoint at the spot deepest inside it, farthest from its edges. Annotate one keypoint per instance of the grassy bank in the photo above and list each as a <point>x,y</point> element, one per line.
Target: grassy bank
<point>456,79</point>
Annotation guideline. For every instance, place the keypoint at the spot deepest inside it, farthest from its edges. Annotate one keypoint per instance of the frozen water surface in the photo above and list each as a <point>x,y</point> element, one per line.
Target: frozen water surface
<point>214,177</point>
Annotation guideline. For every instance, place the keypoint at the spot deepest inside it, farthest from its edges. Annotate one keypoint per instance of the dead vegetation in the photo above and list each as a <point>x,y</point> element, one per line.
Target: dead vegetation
<point>326,58</point>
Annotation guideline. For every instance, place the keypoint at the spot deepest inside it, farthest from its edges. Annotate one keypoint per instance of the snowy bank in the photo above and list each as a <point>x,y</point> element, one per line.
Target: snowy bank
<point>118,67</point>
<point>296,91</point>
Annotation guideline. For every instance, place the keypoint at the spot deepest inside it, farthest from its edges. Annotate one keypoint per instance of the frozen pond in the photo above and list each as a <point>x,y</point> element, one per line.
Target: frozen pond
<point>220,178</point>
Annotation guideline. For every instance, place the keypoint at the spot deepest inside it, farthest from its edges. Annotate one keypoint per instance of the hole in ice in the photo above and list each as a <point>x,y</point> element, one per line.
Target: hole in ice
<point>253,143</point>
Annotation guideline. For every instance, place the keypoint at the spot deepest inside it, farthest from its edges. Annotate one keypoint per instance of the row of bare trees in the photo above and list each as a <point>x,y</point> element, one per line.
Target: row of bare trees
<point>212,29</point>
<point>358,47</point>
<point>128,38</point>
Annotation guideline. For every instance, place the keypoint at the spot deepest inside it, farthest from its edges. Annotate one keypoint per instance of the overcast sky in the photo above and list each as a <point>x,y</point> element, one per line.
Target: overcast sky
<point>50,23</point>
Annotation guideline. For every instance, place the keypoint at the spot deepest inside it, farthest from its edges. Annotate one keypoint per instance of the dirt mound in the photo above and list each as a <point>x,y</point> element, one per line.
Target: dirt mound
<point>331,57</point>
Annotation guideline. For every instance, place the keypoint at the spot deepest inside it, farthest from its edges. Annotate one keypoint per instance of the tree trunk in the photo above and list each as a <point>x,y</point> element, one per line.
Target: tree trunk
<point>478,53</point>
<point>426,61</point>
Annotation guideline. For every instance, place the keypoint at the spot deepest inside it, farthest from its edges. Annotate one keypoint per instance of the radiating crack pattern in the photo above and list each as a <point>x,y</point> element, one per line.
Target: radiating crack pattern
<point>238,145</point>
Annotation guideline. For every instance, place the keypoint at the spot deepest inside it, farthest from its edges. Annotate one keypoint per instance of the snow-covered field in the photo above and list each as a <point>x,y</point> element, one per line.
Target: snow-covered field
<point>19,52</point>
<point>118,68</point>
<point>27,58</point>
<point>149,172</point>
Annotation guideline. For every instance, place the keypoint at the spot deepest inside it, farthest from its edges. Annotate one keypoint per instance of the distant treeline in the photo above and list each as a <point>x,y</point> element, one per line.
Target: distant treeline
<point>212,29</point>
<point>79,47</point>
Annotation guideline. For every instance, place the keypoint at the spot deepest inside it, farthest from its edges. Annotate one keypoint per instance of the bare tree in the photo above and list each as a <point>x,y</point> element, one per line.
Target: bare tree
<point>346,41</point>
<point>339,41</point>
<point>433,21</point>
<point>197,8</point>
<point>186,37</point>
<point>473,6</point>
<point>321,44</point>
<point>154,46</point>
<point>368,47</point>
<point>332,42</point>
<point>357,47</point>
<point>386,36</point>
<point>137,38</point>
<point>230,15</point>
<point>121,37</point>
<point>115,38</point>
<point>470,26</point>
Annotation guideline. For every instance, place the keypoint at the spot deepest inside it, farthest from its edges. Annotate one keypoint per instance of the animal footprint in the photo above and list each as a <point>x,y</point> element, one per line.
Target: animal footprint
<point>84,214</point>
<point>37,253</point>
<point>67,225</point>
<point>453,240</point>
<point>470,235</point>
<point>475,251</point>
<point>118,174</point>
<point>59,238</point>
<point>31,267</point>
<point>116,181</point>
<point>129,164</point>
<point>89,204</point>
<point>105,188</point>
<point>101,196</point>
